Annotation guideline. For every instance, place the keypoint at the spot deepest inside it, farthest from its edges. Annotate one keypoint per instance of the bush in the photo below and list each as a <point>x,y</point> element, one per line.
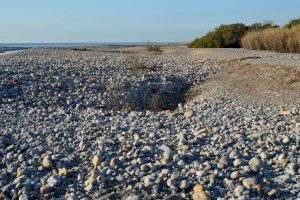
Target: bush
<point>230,36</point>
<point>225,36</point>
<point>153,48</point>
<point>274,39</point>
<point>292,23</point>
<point>211,40</point>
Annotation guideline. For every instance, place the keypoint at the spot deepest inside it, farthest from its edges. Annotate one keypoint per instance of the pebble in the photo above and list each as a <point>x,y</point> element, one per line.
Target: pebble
<point>46,189</point>
<point>184,184</point>
<point>62,171</point>
<point>224,162</point>
<point>95,160</point>
<point>272,192</point>
<point>113,163</point>
<point>53,181</point>
<point>248,183</point>
<point>189,114</point>
<point>255,164</point>
<point>235,175</point>
<point>237,162</point>
<point>23,197</point>
<point>263,155</point>
<point>168,153</point>
<point>238,191</point>
<point>47,162</point>
<point>286,140</point>
<point>199,193</point>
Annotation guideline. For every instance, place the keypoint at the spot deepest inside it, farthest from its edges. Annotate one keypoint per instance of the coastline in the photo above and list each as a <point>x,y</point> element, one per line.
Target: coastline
<point>127,44</point>
<point>7,49</point>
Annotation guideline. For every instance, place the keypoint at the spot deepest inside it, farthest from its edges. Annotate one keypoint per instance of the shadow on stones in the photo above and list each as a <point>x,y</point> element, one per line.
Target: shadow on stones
<point>155,94</point>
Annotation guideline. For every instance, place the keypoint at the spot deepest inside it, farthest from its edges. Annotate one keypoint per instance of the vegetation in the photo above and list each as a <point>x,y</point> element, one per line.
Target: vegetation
<point>211,40</point>
<point>155,48</point>
<point>230,36</point>
<point>261,26</point>
<point>274,39</point>
<point>292,23</point>
<point>226,36</point>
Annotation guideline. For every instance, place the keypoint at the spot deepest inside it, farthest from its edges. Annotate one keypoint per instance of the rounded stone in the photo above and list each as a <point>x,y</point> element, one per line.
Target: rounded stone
<point>47,162</point>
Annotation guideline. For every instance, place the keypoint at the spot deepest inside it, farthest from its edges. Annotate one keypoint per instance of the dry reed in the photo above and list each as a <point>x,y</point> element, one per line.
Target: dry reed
<point>275,39</point>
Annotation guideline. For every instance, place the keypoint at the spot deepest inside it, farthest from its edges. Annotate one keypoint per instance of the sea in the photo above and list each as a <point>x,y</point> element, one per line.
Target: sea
<point>31,45</point>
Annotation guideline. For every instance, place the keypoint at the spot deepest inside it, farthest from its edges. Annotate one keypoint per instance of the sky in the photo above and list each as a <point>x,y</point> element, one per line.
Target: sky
<point>131,20</point>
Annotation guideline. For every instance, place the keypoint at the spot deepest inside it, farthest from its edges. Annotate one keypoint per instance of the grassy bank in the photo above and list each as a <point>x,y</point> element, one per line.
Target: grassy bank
<point>283,40</point>
<point>227,36</point>
<point>261,36</point>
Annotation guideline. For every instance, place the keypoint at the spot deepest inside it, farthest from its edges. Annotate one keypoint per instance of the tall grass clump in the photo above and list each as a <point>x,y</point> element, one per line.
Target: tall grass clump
<point>282,40</point>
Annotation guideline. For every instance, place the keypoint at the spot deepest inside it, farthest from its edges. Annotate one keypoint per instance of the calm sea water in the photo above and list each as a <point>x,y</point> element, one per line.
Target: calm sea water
<point>82,44</point>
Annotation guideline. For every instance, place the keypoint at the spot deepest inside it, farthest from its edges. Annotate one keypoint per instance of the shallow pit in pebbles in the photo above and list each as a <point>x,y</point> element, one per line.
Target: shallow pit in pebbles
<point>60,138</point>
<point>151,93</point>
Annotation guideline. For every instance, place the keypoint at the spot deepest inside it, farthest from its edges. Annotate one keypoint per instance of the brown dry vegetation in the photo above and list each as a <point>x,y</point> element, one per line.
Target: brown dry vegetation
<point>154,49</point>
<point>282,40</point>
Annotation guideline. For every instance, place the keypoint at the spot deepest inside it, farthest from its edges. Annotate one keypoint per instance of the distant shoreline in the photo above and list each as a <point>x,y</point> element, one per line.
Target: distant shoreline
<point>6,49</point>
<point>127,44</point>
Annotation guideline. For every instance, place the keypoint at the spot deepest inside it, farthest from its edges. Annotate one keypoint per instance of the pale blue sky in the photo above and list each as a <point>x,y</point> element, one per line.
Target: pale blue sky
<point>131,20</point>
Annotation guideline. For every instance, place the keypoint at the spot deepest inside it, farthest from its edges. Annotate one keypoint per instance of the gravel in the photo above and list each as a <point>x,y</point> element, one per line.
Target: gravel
<point>77,124</point>
<point>252,56</point>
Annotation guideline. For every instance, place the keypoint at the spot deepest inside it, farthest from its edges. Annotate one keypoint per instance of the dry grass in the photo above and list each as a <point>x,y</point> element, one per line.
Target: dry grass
<point>132,97</point>
<point>275,39</point>
<point>153,48</point>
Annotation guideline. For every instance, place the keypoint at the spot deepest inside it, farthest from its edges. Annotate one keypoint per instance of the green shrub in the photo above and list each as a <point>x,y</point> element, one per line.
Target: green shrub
<point>225,36</point>
<point>294,22</point>
<point>232,34</point>
<point>210,40</point>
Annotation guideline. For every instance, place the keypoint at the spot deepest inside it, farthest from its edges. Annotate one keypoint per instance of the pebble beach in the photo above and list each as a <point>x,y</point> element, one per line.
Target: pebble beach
<point>110,123</point>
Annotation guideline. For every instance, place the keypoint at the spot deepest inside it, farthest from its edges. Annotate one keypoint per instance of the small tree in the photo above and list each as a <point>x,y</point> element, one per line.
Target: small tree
<point>294,22</point>
<point>232,34</point>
